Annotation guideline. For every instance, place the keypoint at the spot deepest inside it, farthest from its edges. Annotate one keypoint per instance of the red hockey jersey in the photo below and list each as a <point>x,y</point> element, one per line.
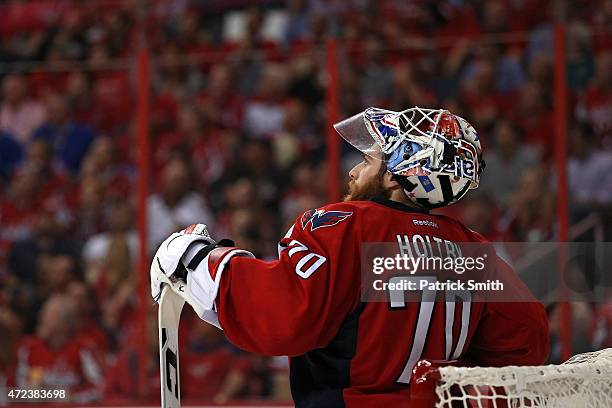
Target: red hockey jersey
<point>75,367</point>
<point>348,353</point>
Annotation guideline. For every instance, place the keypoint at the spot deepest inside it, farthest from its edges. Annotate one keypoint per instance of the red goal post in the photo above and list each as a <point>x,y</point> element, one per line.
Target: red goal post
<point>585,380</point>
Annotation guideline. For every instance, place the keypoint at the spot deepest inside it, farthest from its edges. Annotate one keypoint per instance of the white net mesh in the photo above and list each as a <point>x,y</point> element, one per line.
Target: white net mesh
<point>585,380</point>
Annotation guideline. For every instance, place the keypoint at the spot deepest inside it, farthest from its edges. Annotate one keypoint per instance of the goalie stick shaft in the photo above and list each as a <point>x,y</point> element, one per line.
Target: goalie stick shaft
<point>169,314</point>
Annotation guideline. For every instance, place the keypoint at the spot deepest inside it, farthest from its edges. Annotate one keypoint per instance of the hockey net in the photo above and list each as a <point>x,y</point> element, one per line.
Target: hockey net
<point>585,380</point>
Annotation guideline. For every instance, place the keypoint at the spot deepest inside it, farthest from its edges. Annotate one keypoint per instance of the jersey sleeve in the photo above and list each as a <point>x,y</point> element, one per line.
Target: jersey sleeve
<point>298,302</point>
<point>511,333</point>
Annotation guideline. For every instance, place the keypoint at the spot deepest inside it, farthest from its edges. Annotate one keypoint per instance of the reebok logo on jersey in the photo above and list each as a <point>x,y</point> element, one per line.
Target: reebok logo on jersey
<point>322,218</point>
<point>425,223</point>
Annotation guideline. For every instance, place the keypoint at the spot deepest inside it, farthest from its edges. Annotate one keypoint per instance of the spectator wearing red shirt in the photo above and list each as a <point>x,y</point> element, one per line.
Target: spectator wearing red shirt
<point>19,207</point>
<point>89,324</point>
<point>479,93</point>
<point>243,218</point>
<point>601,335</point>
<point>55,272</point>
<point>238,195</point>
<point>55,182</point>
<point>11,326</point>
<point>123,379</point>
<point>480,213</point>
<point>57,357</point>
<point>222,106</point>
<point>104,163</point>
<point>305,192</point>
<point>602,21</point>
<point>535,118</point>
<point>193,38</point>
<point>89,201</point>
<point>195,139</point>
<point>20,17</point>
<point>110,260</point>
<point>79,92</point>
<point>212,369</point>
<point>19,115</point>
<point>112,93</point>
<point>501,16</point>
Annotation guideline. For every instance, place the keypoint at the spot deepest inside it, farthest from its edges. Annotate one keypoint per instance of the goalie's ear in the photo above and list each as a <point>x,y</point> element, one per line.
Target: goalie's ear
<point>390,182</point>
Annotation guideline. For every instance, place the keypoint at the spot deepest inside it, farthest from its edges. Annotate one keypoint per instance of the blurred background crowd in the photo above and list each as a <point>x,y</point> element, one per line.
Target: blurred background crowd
<point>238,128</point>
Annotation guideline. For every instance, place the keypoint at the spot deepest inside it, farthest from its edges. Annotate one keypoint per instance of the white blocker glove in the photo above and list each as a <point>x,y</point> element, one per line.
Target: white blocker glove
<point>192,264</point>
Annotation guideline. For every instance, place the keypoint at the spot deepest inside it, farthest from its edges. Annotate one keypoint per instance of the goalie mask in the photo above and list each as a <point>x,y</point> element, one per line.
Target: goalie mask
<point>436,156</point>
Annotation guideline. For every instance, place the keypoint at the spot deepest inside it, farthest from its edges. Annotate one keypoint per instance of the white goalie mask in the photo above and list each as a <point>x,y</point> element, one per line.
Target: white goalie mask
<point>435,155</point>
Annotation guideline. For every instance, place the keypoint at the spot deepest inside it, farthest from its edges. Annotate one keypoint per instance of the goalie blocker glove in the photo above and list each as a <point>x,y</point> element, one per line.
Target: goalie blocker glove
<point>192,263</point>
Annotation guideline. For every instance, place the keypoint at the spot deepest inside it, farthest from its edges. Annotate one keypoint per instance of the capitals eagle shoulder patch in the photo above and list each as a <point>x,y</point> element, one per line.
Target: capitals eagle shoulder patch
<point>323,218</point>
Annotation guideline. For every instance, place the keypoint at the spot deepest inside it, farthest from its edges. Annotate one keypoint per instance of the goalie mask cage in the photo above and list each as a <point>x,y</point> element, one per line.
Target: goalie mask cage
<point>585,380</point>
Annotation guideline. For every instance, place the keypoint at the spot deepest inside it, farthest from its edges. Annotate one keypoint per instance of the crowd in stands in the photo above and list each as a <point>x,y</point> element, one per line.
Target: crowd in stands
<point>238,131</point>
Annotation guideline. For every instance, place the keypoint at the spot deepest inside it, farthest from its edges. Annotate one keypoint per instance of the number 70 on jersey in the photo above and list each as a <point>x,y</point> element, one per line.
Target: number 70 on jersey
<point>426,308</point>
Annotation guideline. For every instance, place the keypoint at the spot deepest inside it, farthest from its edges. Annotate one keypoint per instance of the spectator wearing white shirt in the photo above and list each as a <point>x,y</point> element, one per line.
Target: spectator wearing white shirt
<point>264,114</point>
<point>176,205</point>
<point>96,249</point>
<point>589,171</point>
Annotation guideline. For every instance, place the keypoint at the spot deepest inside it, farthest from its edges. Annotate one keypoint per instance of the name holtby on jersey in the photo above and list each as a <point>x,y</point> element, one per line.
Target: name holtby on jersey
<point>427,245</point>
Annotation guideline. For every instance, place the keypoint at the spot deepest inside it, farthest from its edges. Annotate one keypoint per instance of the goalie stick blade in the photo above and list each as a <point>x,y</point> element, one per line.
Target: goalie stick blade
<point>169,314</point>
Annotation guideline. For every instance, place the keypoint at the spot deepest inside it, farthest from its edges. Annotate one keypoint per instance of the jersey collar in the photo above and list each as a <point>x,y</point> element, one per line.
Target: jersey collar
<point>397,205</point>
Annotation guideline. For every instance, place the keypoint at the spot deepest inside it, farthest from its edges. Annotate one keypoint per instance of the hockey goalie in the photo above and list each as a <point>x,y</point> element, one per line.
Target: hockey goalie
<point>308,305</point>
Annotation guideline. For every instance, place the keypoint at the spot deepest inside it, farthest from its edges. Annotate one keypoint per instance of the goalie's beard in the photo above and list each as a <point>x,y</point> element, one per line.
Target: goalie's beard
<point>372,188</point>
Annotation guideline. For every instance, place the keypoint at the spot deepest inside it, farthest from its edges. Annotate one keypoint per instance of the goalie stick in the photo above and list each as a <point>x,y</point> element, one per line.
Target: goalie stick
<point>169,314</point>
